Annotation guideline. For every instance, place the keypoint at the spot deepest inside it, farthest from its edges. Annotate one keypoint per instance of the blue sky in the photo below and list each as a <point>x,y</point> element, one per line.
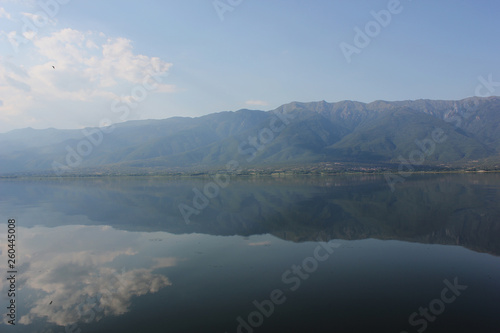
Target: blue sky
<point>123,60</point>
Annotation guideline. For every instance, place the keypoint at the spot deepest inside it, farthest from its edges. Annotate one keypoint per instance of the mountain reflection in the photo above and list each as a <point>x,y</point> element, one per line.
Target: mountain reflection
<point>115,254</point>
<point>460,209</point>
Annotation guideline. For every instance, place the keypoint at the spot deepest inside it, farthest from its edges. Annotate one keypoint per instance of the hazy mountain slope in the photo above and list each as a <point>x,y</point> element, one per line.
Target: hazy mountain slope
<point>377,132</point>
<point>27,138</point>
<point>477,116</point>
<point>398,132</point>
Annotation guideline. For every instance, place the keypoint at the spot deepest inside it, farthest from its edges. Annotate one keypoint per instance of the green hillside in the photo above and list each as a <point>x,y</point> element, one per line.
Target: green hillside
<point>377,133</point>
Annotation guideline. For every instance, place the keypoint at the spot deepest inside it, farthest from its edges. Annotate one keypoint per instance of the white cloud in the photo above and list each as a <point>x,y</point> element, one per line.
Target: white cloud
<point>5,14</point>
<point>256,102</point>
<point>76,70</point>
<point>36,21</point>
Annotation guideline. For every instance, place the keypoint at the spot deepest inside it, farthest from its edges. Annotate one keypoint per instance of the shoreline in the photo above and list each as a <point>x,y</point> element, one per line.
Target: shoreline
<point>243,174</point>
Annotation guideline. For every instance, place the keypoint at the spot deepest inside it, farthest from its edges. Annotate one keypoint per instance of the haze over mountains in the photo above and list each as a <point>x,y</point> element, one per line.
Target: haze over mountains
<point>447,133</point>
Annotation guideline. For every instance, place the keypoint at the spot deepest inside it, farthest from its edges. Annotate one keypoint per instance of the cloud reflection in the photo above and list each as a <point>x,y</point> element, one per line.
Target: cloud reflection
<point>264,243</point>
<point>80,281</point>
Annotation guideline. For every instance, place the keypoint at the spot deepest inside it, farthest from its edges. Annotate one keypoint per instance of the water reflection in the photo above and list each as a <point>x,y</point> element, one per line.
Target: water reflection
<point>116,255</point>
<point>70,274</point>
<point>443,209</point>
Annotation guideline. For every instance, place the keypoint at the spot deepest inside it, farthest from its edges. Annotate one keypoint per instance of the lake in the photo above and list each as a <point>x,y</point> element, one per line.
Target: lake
<point>269,254</point>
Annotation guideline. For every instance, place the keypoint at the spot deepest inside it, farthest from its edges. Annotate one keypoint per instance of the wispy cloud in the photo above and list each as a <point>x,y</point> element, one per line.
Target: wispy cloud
<point>74,67</point>
<point>5,14</point>
<point>17,84</point>
<point>257,102</point>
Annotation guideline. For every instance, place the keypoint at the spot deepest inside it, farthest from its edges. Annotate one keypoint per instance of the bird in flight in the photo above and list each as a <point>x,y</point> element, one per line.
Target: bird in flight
<point>54,67</point>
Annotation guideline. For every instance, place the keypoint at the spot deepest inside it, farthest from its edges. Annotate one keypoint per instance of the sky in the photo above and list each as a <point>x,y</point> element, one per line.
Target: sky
<point>72,64</point>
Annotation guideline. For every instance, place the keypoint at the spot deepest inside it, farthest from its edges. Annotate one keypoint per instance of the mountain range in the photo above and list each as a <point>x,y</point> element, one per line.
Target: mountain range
<point>424,133</point>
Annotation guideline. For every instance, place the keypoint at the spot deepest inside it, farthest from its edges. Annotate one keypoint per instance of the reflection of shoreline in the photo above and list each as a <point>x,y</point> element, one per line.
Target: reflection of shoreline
<point>459,209</point>
<point>116,183</point>
<point>428,239</point>
<point>314,172</point>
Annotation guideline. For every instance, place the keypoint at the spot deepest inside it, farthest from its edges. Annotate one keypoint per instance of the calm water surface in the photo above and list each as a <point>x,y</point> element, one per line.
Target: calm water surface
<point>339,254</point>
